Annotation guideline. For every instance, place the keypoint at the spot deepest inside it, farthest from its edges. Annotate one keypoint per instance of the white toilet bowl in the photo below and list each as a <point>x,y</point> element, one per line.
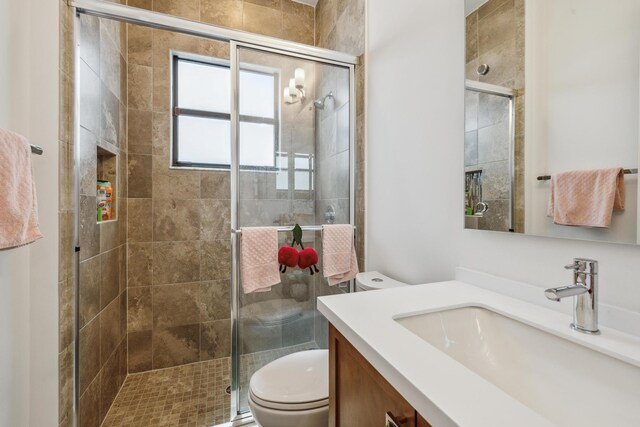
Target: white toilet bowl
<point>292,391</point>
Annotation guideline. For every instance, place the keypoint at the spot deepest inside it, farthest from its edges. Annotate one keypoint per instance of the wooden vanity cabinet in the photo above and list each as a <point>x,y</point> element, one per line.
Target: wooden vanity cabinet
<point>358,395</point>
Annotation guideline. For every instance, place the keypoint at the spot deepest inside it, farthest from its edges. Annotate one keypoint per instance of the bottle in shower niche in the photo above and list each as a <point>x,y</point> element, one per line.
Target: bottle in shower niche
<point>105,200</point>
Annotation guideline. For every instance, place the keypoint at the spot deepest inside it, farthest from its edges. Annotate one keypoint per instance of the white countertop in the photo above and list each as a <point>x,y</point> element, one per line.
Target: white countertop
<point>442,390</point>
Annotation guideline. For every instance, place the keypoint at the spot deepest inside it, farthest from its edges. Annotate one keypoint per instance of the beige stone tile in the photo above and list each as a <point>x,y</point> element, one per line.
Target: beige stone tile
<point>140,311</point>
<point>140,131</point>
<point>176,220</point>
<point>123,219</point>
<point>215,219</point>
<point>90,404</point>
<point>109,383</point>
<point>90,37</point>
<point>176,262</point>
<point>172,183</point>
<point>227,13</point>
<point>471,31</point>
<point>89,290</point>
<point>140,92</point>
<point>497,28</point>
<point>214,300</point>
<point>262,20</point>
<point>139,175</point>
<point>182,8</point>
<point>140,49</point>
<point>140,264</point>
<point>109,61</point>
<point>89,229</point>
<point>109,277</point>
<point>301,10</point>
<point>215,185</point>
<point>66,101</point>
<point>66,245</point>
<point>140,220</point>
<point>89,353</point>
<point>160,134</point>
<point>139,351</point>
<point>215,340</point>
<point>176,346</point>
<point>109,235</point>
<point>65,384</point>
<point>326,18</point>
<point>298,29</point>
<point>109,330</point>
<point>89,99</point>
<point>66,309</point>
<point>490,7</point>
<point>161,89</point>
<point>215,260</point>
<point>165,41</point>
<point>176,305</point>
<point>141,4</point>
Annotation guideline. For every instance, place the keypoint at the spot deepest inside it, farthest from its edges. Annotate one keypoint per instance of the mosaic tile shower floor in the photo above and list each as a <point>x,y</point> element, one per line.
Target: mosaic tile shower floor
<point>192,395</point>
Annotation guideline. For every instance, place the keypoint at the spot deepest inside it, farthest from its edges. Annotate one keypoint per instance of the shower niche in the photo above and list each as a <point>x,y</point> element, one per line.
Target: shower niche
<point>106,185</point>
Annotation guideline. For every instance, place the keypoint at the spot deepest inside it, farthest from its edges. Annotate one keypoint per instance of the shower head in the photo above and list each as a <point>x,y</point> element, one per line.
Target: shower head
<point>321,103</point>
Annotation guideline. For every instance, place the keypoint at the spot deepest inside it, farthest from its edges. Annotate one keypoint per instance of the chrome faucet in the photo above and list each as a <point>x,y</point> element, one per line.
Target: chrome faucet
<point>585,291</point>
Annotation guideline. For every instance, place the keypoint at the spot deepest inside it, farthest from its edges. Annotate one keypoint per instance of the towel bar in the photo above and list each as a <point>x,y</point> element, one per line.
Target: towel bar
<point>36,149</point>
<point>285,229</point>
<point>626,172</point>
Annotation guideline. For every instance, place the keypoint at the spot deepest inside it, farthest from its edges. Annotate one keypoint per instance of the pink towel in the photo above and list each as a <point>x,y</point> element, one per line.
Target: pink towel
<point>18,204</point>
<point>339,259</point>
<point>586,198</point>
<point>259,268</point>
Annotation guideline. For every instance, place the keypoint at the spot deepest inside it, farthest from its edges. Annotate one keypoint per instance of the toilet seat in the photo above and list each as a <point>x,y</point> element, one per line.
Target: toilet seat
<point>298,381</point>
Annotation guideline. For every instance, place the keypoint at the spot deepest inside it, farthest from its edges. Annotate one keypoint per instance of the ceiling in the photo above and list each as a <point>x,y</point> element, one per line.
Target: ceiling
<point>471,5</point>
<point>309,2</point>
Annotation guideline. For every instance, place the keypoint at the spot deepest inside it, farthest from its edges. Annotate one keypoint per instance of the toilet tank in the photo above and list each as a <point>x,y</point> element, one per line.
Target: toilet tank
<point>372,280</point>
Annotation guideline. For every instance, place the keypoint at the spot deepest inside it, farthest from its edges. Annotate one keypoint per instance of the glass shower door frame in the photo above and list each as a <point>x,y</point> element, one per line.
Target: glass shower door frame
<point>235,47</point>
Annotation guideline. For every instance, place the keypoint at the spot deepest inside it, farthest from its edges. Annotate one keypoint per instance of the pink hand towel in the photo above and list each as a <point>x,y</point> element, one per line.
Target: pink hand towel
<point>259,268</point>
<point>18,204</point>
<point>586,198</point>
<point>339,259</point>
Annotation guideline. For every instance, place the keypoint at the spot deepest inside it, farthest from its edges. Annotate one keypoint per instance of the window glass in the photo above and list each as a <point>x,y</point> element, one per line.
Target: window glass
<point>302,180</point>
<point>257,144</point>
<point>257,94</point>
<point>203,140</point>
<point>203,87</point>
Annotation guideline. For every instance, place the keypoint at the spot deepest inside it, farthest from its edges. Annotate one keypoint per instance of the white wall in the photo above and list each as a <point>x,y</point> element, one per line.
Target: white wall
<point>28,276</point>
<point>583,74</point>
<point>415,163</point>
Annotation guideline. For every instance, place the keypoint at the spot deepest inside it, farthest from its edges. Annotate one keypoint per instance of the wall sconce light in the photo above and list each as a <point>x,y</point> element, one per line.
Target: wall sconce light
<point>295,92</point>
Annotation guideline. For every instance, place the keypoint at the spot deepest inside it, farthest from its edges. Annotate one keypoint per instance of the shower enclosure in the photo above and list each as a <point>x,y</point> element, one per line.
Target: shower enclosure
<point>197,131</point>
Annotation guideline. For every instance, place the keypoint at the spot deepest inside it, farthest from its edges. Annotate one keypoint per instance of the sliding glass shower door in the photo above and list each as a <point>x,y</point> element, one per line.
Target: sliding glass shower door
<point>292,164</point>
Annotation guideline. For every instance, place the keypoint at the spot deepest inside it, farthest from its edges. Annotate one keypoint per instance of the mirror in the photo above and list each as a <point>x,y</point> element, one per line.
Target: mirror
<point>552,86</point>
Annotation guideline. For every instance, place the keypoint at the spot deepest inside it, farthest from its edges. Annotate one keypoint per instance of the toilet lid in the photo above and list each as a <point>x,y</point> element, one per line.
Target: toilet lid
<point>297,379</point>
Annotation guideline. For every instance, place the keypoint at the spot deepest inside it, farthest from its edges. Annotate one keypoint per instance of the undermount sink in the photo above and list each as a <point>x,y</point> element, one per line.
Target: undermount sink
<point>567,383</point>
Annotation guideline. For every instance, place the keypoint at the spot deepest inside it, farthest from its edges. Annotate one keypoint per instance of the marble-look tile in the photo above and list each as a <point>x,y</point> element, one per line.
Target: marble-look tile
<point>109,383</point>
<point>215,185</point>
<point>471,148</point>
<point>176,346</point>
<point>173,184</point>
<point>497,217</point>
<point>140,264</point>
<point>182,8</point>
<point>65,384</point>
<point>140,309</point>
<point>109,235</point>
<point>89,99</point>
<point>495,180</point>
<point>141,4</point>
<point>471,31</point>
<point>89,353</point>
<point>160,134</point>
<point>140,350</point>
<point>298,29</point>
<point>492,109</point>
<point>140,176</point>
<point>262,20</point>
<point>140,220</point>
<point>89,229</point>
<point>123,315</point>
<point>176,262</point>
<point>109,277</point>
<point>227,13</point>
<point>140,47</point>
<point>214,300</point>
<point>140,131</point>
<point>350,29</point>
<point>176,305</point>
<point>215,339</point>
<point>471,100</point>
<point>90,38</point>
<point>90,405</point>
<point>88,163</point>
<point>161,89</point>
<point>89,290</point>
<point>494,143</point>
<point>66,245</point>
<point>502,61</point>
<point>109,330</point>
<point>491,6</point>
<point>176,220</point>
<point>109,61</point>
<point>140,92</point>
<point>215,219</point>
<point>123,218</point>
<point>165,41</point>
<point>326,18</point>
<point>496,28</point>
<point>65,313</point>
<point>215,260</point>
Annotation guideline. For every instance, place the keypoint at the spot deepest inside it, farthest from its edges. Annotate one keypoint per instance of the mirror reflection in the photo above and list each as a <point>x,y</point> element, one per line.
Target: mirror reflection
<point>551,118</point>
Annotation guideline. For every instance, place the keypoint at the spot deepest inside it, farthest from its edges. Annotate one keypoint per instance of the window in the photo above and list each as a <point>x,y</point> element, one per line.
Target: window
<point>202,115</point>
<point>303,169</point>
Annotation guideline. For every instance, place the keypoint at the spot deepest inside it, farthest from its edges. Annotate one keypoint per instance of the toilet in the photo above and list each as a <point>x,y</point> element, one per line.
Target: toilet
<point>293,391</point>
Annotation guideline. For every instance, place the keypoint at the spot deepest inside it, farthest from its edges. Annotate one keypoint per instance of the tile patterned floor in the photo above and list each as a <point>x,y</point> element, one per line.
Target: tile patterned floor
<point>192,395</point>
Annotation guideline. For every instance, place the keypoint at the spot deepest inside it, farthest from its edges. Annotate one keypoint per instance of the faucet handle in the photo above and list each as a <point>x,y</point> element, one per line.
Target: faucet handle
<point>583,265</point>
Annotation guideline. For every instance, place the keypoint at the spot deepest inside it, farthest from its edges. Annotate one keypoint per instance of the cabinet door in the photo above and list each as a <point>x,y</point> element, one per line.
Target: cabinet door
<point>358,394</point>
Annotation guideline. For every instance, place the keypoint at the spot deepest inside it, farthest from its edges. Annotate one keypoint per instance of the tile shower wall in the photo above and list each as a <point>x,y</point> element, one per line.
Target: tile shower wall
<point>103,263</point>
<point>340,25</point>
<point>179,251</point>
<point>495,36</point>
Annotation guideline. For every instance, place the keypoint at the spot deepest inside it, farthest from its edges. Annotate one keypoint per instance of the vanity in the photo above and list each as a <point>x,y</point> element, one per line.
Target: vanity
<point>460,354</point>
